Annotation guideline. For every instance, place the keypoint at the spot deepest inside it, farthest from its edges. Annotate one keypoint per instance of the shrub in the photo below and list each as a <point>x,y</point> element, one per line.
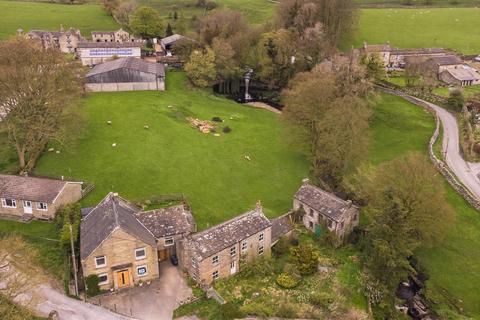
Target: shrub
<point>287,281</point>
<point>456,99</point>
<point>230,311</point>
<point>281,247</point>
<point>305,258</point>
<point>227,130</point>
<point>210,5</point>
<point>92,285</point>
<point>217,119</point>
<point>321,299</point>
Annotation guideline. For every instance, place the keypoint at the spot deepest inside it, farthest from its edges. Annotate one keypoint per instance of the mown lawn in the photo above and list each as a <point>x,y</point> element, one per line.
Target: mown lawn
<point>453,265</point>
<point>35,15</point>
<point>256,11</point>
<point>173,157</point>
<point>44,237</point>
<point>467,91</point>
<point>452,28</point>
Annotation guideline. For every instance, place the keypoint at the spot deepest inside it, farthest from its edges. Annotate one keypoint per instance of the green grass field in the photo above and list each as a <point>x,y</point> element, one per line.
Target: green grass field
<point>454,265</point>
<point>33,15</point>
<point>172,157</point>
<point>467,91</point>
<point>256,11</point>
<point>453,28</point>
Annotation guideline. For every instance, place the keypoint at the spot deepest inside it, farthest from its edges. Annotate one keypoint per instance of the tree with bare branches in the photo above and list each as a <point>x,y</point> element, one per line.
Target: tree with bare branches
<point>39,89</point>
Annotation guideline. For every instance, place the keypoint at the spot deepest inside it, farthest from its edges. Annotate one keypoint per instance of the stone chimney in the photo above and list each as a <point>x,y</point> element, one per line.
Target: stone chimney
<point>349,203</point>
<point>306,181</point>
<point>258,205</point>
<point>20,31</point>
<point>364,44</point>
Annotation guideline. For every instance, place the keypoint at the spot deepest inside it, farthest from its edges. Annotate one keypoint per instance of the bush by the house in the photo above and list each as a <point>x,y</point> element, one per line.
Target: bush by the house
<point>230,311</point>
<point>287,281</point>
<point>456,99</point>
<point>305,258</point>
<point>227,130</point>
<point>92,285</point>
<point>281,247</point>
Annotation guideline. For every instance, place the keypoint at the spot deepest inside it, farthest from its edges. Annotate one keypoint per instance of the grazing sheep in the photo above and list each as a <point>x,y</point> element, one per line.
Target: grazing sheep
<point>109,122</point>
<point>114,145</point>
<point>247,158</point>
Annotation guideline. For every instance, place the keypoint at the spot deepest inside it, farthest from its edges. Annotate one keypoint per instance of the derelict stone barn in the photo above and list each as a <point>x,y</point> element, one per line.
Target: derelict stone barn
<point>126,74</point>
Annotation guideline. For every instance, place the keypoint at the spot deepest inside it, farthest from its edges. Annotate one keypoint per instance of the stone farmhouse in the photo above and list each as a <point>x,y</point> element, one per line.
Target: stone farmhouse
<point>453,71</point>
<point>323,209</point>
<point>216,252</point>
<point>66,41</point>
<point>40,198</point>
<point>112,36</point>
<point>93,53</point>
<point>396,58</point>
<point>126,74</point>
<point>122,244</point>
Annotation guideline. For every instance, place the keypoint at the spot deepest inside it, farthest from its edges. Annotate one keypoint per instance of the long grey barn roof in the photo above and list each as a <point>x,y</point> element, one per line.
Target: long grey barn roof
<point>281,226</point>
<point>111,213</point>
<point>29,188</point>
<point>169,221</point>
<point>222,236</point>
<point>129,63</point>
<point>326,203</point>
<point>446,60</point>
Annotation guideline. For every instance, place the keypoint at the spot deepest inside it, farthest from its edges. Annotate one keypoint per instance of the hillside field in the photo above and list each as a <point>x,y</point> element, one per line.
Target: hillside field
<point>35,15</point>
<point>454,265</point>
<point>173,157</point>
<point>256,11</point>
<point>452,28</point>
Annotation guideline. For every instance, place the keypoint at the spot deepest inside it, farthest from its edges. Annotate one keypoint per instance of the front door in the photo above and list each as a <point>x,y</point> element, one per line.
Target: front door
<point>27,207</point>
<point>123,278</point>
<point>233,267</point>
<point>163,255</point>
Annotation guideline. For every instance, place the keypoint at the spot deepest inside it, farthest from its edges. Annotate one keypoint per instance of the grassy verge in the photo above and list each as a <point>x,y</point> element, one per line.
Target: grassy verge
<point>454,265</point>
<point>35,15</point>
<point>173,157</point>
<point>11,311</point>
<point>44,237</point>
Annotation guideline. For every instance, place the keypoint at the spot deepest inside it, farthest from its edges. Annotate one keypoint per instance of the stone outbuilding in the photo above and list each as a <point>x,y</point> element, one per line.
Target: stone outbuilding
<point>323,209</point>
<point>219,252</point>
<point>119,35</point>
<point>36,198</point>
<point>126,74</point>
<point>66,41</point>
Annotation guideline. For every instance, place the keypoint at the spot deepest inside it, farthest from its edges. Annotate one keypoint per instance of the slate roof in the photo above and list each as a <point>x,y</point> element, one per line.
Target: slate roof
<point>30,188</point>
<point>464,74</point>
<point>167,221</point>
<point>171,39</point>
<point>111,213</point>
<point>281,226</point>
<point>324,202</point>
<point>88,44</point>
<point>129,63</point>
<point>419,51</point>
<point>446,60</point>
<point>211,241</point>
<point>377,48</point>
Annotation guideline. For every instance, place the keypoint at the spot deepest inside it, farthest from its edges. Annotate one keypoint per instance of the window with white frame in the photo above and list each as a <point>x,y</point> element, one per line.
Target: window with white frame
<point>215,260</point>
<point>42,206</point>
<point>169,241</point>
<point>9,203</point>
<point>194,276</point>
<point>233,251</point>
<point>142,271</point>
<point>261,236</point>
<point>215,275</point>
<point>140,253</point>
<point>194,263</point>
<point>100,261</point>
<point>244,246</point>
<point>260,250</point>
<point>102,278</point>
